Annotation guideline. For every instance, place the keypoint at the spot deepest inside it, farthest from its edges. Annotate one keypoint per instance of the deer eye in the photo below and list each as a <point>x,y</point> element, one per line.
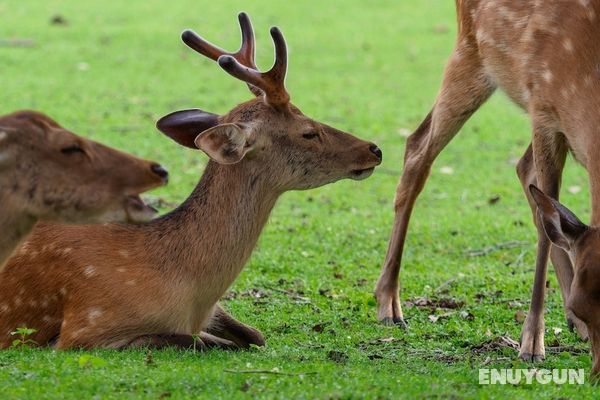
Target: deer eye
<point>72,150</point>
<point>310,135</point>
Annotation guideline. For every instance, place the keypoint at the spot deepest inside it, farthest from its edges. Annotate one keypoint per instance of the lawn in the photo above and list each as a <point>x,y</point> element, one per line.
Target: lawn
<point>109,69</point>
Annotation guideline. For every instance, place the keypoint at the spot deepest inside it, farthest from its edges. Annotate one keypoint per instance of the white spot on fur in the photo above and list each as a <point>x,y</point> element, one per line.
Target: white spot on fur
<point>18,301</point>
<point>132,282</point>
<point>94,313</point>
<point>63,291</point>
<point>89,271</point>
<point>67,250</point>
<point>47,319</point>
<point>121,270</point>
<point>547,75</point>
<point>124,253</point>
<point>32,303</point>
<point>4,307</point>
<point>568,45</point>
<point>3,135</point>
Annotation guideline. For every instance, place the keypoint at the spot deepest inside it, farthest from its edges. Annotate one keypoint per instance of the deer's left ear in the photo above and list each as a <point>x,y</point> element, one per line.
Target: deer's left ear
<point>184,126</point>
<point>561,225</point>
<point>225,143</point>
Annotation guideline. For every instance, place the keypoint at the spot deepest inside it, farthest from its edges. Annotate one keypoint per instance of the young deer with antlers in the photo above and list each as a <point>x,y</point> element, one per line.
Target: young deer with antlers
<point>48,173</point>
<point>158,284</point>
<point>544,55</point>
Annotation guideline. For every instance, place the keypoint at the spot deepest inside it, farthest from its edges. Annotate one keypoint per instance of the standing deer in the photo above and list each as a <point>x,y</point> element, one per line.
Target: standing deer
<point>48,173</point>
<point>545,55</point>
<point>158,284</point>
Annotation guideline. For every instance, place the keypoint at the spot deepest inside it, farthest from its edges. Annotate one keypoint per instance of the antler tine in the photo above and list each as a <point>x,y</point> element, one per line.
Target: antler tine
<point>272,82</point>
<point>196,42</point>
<point>245,55</point>
<point>247,50</point>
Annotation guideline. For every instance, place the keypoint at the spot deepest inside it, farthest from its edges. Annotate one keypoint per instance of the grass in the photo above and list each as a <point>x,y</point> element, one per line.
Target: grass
<point>372,69</point>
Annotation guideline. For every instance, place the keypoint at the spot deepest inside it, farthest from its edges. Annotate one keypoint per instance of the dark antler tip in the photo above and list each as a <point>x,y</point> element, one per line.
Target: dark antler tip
<point>242,15</point>
<point>275,30</point>
<point>187,35</point>
<point>226,61</point>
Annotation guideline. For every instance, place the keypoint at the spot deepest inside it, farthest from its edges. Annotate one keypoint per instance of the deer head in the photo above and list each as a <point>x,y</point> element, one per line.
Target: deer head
<point>268,134</point>
<point>49,173</point>
<point>582,243</point>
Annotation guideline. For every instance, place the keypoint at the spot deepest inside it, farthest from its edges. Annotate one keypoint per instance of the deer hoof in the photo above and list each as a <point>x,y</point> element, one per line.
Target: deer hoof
<point>528,357</point>
<point>394,321</point>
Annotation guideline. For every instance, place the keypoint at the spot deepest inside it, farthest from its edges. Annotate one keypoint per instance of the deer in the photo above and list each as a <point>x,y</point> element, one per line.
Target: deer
<point>48,173</point>
<point>581,242</point>
<point>159,284</point>
<point>544,56</point>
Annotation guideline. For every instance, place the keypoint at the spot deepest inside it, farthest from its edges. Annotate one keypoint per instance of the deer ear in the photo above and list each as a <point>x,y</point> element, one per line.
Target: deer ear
<point>225,143</point>
<point>561,225</point>
<point>183,126</point>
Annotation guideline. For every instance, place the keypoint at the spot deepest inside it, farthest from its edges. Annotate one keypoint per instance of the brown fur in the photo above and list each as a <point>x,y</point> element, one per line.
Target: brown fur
<point>49,173</point>
<point>114,286</point>
<point>544,55</point>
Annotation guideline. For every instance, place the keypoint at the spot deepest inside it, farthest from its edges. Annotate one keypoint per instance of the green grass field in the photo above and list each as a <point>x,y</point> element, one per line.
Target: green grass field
<point>371,68</point>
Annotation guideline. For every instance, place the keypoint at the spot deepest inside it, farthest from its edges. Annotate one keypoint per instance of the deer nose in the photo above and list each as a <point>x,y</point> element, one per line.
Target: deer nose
<point>160,171</point>
<point>377,151</point>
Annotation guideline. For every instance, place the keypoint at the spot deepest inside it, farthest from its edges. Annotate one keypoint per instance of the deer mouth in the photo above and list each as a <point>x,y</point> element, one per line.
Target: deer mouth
<point>137,211</point>
<point>360,174</point>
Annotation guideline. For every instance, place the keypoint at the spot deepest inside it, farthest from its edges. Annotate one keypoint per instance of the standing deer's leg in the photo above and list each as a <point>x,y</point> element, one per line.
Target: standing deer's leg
<point>549,153</point>
<point>560,259</point>
<point>225,326</point>
<point>464,89</point>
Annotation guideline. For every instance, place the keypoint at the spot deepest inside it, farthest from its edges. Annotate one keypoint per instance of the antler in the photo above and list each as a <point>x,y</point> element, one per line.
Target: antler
<point>241,64</point>
<point>244,55</point>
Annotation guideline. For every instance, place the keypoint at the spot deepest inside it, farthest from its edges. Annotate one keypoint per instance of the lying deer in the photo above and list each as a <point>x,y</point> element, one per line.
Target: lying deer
<point>158,284</point>
<point>48,173</point>
<point>544,55</point>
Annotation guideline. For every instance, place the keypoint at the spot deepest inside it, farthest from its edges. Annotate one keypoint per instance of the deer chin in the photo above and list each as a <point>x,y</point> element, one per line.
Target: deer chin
<point>138,211</point>
<point>360,174</point>
<point>132,210</point>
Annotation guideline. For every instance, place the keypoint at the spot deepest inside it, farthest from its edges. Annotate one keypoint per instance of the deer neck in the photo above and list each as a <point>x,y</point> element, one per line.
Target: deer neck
<point>209,238</point>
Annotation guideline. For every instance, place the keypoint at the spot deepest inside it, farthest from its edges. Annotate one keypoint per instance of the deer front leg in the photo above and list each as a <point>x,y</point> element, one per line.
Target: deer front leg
<point>464,89</point>
<point>225,326</point>
<point>549,153</point>
<point>161,341</point>
<point>200,342</point>
<point>560,258</point>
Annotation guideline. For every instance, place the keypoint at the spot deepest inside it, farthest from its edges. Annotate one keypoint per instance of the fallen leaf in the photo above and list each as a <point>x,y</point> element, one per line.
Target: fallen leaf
<point>466,315</point>
<point>493,200</point>
<point>338,356</point>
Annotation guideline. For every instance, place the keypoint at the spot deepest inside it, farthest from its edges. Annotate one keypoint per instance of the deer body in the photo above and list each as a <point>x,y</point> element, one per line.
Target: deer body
<point>544,55</point>
<point>49,173</point>
<point>158,284</point>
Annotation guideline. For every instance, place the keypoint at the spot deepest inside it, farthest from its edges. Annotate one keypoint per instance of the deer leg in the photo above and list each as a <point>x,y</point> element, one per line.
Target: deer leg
<point>549,153</point>
<point>161,341</point>
<point>464,89</point>
<point>225,326</point>
<point>560,258</point>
